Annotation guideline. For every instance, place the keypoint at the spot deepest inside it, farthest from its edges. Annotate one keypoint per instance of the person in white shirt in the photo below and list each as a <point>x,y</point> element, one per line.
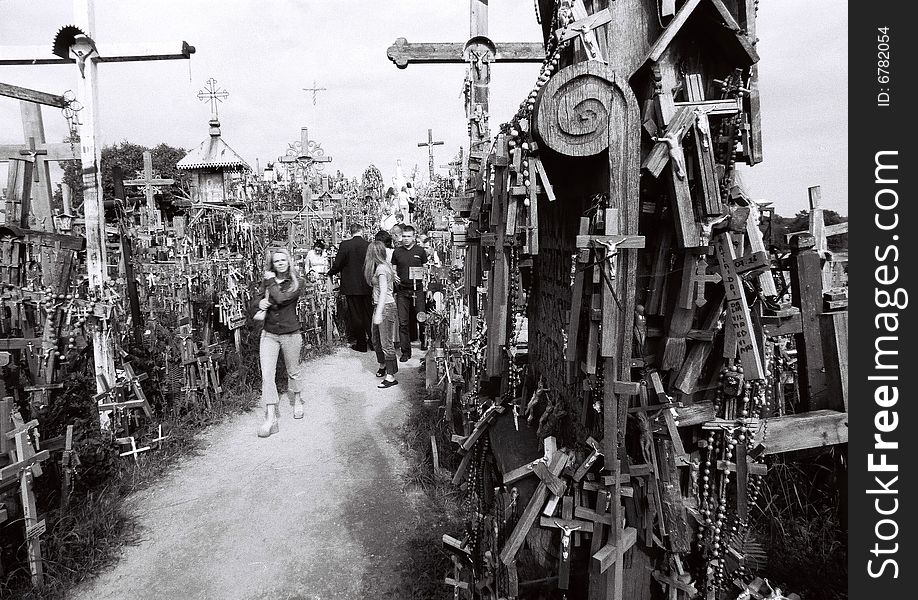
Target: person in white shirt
<point>401,204</point>
<point>317,260</point>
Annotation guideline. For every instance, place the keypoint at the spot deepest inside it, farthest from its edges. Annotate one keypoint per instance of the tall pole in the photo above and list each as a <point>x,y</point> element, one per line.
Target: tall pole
<point>93,209</point>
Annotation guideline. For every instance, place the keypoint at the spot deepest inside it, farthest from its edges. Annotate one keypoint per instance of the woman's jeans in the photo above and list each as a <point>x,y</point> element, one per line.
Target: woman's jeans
<point>270,347</point>
<point>383,336</point>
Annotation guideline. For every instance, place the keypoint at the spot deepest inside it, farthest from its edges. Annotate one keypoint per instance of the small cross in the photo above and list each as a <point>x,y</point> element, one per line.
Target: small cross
<point>159,439</point>
<point>134,451</point>
<point>315,90</point>
<point>32,152</point>
<point>212,95</point>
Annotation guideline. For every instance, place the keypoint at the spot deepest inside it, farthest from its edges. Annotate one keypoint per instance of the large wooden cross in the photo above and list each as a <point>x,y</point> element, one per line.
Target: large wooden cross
<point>479,52</point>
<point>90,149</point>
<point>149,184</point>
<point>430,143</point>
<point>39,153</point>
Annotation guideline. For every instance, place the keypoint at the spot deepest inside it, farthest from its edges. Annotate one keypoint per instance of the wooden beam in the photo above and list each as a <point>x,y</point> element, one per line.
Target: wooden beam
<point>834,330</point>
<point>806,430</point>
<point>603,241</point>
<point>41,55</point>
<point>21,93</point>
<point>606,556</point>
<point>531,512</point>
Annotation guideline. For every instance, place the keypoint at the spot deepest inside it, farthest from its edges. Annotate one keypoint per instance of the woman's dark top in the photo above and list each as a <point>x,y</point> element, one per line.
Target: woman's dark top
<point>281,317</point>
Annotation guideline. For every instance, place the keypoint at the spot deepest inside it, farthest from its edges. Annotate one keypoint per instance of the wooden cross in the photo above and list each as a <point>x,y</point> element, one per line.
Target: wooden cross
<point>149,184</point>
<point>134,451</point>
<point>25,468</point>
<point>214,95</point>
<point>739,318</point>
<point>821,232</point>
<point>531,512</point>
<point>479,52</point>
<point>90,151</point>
<point>568,525</point>
<point>589,460</point>
<point>676,588</point>
<point>430,143</point>
<point>315,91</point>
<point>70,460</point>
<point>33,156</point>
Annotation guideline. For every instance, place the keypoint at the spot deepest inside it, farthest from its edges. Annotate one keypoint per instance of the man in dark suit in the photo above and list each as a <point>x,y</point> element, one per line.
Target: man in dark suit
<point>357,292</point>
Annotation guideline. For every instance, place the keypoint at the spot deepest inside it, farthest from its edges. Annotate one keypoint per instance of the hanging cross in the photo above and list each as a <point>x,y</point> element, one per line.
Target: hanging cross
<point>315,90</point>
<point>430,143</point>
<point>478,52</point>
<point>149,185</point>
<point>212,94</point>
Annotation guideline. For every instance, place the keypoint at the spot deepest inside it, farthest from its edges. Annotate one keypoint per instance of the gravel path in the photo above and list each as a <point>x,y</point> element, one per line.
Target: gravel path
<point>315,512</point>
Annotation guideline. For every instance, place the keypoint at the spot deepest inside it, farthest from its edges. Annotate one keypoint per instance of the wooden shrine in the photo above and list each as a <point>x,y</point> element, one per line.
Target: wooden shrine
<point>216,170</point>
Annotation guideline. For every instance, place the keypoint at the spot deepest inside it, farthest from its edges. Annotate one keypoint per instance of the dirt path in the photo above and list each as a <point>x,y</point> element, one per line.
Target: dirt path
<point>314,512</point>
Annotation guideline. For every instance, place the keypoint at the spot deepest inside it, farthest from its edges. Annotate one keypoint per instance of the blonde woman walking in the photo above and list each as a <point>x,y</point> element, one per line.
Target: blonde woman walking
<point>280,291</point>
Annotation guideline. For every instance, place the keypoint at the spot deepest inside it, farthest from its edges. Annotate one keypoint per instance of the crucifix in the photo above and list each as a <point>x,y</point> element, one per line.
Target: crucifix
<point>305,155</point>
<point>479,52</point>
<point>149,184</point>
<point>315,91</point>
<point>214,95</point>
<point>75,45</point>
<point>430,143</point>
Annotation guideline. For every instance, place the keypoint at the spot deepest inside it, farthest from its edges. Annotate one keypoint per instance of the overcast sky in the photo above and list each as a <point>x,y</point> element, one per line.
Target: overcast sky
<point>264,53</point>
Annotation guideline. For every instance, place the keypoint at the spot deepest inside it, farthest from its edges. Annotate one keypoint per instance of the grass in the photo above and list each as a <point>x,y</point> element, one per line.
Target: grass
<point>425,563</point>
<point>800,525</point>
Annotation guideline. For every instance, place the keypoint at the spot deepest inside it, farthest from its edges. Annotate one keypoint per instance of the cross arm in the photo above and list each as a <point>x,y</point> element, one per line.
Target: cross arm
<point>21,93</point>
<point>402,52</point>
<point>41,55</point>
<point>142,182</point>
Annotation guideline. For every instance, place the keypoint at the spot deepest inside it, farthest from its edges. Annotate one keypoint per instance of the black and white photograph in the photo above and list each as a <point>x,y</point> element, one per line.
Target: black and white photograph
<point>447,300</point>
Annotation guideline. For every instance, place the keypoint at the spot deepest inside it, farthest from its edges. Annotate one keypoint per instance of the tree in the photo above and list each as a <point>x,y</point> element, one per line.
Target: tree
<point>130,157</point>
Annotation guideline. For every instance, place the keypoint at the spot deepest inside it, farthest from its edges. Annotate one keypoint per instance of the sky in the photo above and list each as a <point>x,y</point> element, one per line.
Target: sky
<point>264,53</point>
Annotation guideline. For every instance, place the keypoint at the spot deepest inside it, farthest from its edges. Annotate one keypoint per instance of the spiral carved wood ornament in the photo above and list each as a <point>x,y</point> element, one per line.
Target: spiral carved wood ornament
<point>575,108</point>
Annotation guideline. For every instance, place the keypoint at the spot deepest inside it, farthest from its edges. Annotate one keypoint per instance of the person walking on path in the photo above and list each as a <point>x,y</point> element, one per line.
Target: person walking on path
<point>280,291</point>
<point>379,274</point>
<point>406,256</point>
<point>349,263</point>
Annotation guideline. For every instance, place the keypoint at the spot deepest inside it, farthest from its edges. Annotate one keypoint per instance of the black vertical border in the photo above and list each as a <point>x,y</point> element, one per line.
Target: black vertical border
<point>874,129</point>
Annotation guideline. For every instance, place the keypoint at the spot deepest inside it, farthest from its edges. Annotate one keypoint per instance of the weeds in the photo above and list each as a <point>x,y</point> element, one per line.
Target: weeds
<point>424,563</point>
<point>800,525</point>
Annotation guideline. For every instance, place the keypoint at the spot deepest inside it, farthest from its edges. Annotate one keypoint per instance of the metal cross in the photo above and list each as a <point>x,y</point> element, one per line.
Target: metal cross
<point>211,93</point>
<point>315,90</point>
<point>430,143</point>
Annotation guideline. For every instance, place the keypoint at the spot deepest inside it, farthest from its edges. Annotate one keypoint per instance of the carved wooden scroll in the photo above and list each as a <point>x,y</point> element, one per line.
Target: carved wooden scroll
<point>578,105</point>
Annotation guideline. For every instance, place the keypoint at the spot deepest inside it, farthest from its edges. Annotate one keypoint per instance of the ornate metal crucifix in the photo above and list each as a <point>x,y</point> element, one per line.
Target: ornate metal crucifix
<point>211,93</point>
<point>315,90</point>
